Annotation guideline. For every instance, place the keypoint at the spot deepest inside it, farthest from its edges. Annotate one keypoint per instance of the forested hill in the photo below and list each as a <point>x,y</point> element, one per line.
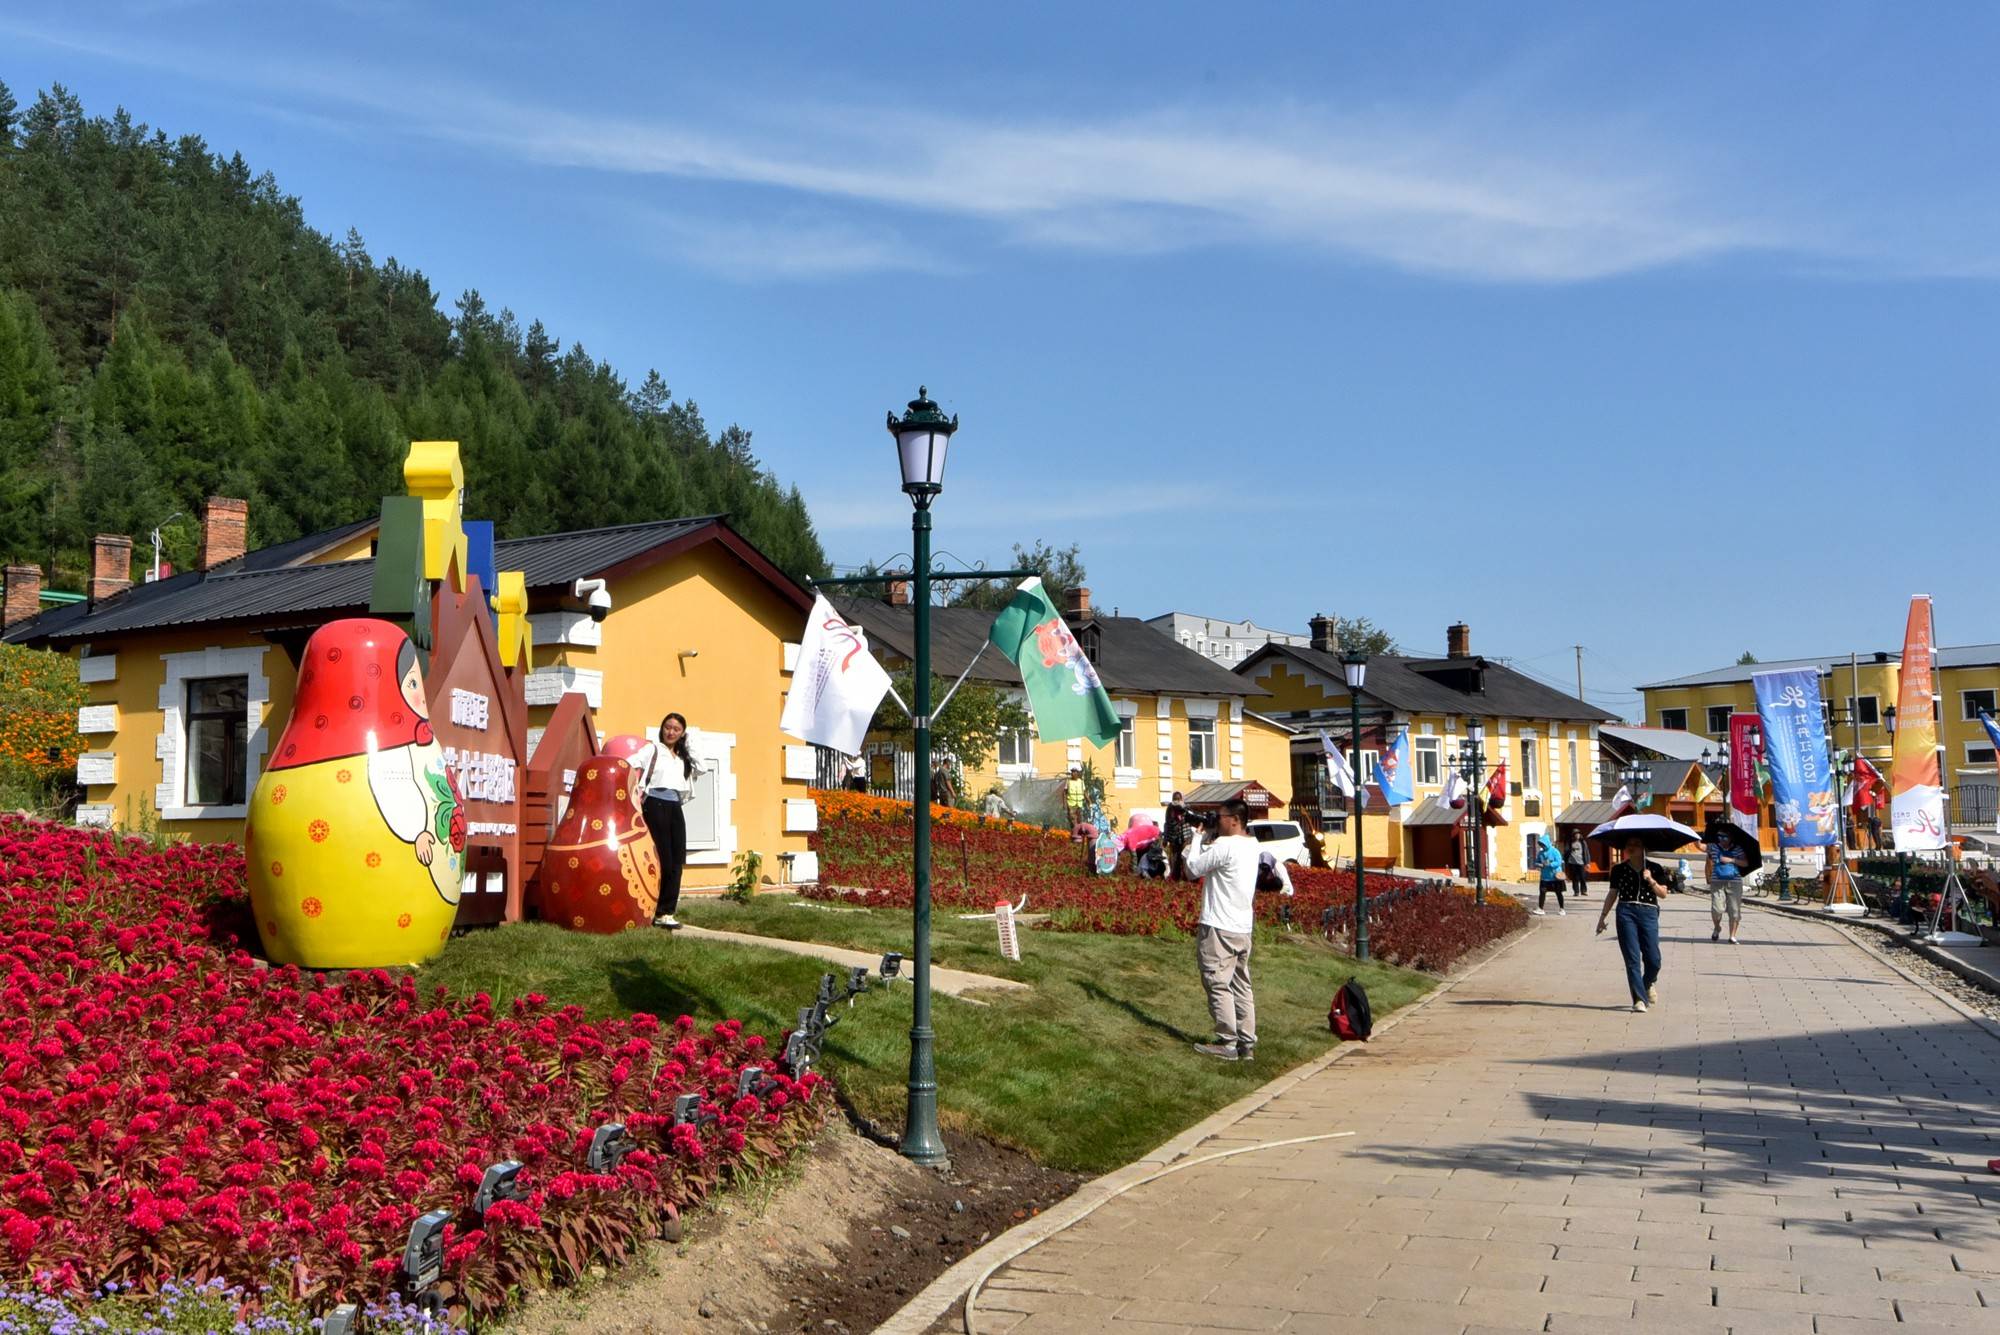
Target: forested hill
<point>170,329</point>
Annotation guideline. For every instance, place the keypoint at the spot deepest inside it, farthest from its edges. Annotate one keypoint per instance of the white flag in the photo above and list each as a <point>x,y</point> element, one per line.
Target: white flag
<point>1622,800</point>
<point>1454,789</point>
<point>837,685</point>
<point>1336,765</point>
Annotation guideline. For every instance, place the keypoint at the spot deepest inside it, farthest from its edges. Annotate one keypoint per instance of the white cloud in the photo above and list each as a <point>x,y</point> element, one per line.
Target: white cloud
<point>791,248</point>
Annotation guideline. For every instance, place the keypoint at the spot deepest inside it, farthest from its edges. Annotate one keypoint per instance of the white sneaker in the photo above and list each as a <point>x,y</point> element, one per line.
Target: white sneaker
<point>1538,913</point>
<point>1562,913</point>
<point>1639,1006</point>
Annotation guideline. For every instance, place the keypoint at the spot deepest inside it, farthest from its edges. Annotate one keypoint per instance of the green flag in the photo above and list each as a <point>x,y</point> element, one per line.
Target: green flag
<point>1063,689</point>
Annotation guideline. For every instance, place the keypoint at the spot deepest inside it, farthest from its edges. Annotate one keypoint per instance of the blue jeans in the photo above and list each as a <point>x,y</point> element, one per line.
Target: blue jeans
<point>1639,942</point>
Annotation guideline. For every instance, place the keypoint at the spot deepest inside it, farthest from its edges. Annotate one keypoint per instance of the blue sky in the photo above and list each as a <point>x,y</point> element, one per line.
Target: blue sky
<point>1669,332</point>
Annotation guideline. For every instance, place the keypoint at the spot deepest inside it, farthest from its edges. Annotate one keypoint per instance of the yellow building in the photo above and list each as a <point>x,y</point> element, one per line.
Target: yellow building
<point>1859,695</point>
<point>1547,738</point>
<point>190,677</point>
<point>1185,723</point>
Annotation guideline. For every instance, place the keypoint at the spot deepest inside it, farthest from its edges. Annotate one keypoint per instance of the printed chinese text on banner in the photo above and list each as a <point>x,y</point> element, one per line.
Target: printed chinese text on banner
<point>1064,692</point>
<point>1745,787</point>
<point>1916,786</point>
<point>836,686</point>
<point>1392,771</point>
<point>1794,728</point>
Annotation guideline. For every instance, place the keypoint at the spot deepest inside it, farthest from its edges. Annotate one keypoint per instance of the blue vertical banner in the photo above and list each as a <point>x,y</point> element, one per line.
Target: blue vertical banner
<point>1795,750</point>
<point>1392,771</point>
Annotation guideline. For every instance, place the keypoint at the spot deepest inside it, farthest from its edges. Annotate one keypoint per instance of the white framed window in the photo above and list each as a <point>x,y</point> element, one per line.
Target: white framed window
<point>1531,769</point>
<point>1677,719</point>
<point>1201,745</point>
<point>1128,744</point>
<point>1366,774</point>
<point>1864,709</point>
<point>1427,756</point>
<point>1573,785</point>
<point>1017,748</point>
<point>195,744</point>
<point>1973,703</point>
<point>710,805</point>
<point>1978,753</point>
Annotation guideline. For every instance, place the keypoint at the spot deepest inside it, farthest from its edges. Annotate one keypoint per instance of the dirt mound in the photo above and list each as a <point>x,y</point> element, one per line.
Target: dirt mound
<point>836,1243</point>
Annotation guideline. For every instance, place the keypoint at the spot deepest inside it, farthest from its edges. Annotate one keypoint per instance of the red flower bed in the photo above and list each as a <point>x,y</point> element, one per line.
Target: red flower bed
<point>865,859</point>
<point>169,1109</point>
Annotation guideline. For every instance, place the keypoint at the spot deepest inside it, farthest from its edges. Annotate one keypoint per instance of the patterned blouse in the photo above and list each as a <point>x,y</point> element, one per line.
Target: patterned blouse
<point>1631,886</point>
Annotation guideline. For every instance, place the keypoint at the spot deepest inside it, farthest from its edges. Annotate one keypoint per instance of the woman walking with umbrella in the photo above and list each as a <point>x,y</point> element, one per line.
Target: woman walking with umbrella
<point>1636,887</point>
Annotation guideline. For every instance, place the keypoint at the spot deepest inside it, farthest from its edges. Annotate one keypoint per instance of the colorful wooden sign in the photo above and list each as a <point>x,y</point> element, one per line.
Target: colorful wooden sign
<point>480,715</point>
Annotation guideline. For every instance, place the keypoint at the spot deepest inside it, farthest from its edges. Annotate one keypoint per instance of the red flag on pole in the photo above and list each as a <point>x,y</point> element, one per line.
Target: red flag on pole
<point>1496,796</point>
<point>1869,789</point>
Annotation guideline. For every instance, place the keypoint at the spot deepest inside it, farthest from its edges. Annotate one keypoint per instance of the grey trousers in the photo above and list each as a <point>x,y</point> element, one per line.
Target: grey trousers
<point>1224,958</point>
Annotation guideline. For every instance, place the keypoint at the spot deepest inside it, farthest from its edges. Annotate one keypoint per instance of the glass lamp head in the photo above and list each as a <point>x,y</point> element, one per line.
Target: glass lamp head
<point>923,434</point>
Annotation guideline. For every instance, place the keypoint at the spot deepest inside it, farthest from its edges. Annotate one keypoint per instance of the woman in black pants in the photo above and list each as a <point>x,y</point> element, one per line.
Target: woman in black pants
<point>669,776</point>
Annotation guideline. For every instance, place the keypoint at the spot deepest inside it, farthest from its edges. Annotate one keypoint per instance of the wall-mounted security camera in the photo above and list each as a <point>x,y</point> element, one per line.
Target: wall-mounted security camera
<point>596,596</point>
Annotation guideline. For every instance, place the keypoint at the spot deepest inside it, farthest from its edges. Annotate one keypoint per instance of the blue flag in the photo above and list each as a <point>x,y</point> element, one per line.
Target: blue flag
<point>1392,771</point>
<point>1992,728</point>
<point>1795,748</point>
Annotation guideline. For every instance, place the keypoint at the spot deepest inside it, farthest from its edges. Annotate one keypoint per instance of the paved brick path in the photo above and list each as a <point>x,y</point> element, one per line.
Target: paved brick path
<point>1794,1140</point>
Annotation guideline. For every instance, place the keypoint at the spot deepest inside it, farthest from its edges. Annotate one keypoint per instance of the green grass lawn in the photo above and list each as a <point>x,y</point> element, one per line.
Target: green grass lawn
<point>1090,1070</point>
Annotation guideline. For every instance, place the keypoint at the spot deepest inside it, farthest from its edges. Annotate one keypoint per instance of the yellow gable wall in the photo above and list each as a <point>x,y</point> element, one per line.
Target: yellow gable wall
<point>1282,687</point>
<point>706,601</point>
<point>357,548</point>
<point>133,753</point>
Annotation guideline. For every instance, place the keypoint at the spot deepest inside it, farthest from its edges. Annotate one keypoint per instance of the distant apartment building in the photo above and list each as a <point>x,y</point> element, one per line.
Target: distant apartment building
<point>1229,642</point>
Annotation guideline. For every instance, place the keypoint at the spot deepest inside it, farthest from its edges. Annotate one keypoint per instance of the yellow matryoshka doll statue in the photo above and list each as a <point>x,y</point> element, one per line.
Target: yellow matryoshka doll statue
<point>601,872</point>
<point>356,838</point>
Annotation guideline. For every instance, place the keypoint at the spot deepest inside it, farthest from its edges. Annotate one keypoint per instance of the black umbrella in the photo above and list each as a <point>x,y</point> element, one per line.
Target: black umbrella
<point>1737,839</point>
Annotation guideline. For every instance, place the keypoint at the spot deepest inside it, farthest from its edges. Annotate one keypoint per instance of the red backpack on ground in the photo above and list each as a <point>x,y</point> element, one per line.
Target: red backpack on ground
<point>1349,1016</point>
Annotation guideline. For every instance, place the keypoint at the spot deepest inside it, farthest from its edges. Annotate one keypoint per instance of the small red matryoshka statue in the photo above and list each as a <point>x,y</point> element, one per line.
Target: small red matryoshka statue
<point>601,872</point>
<point>625,746</point>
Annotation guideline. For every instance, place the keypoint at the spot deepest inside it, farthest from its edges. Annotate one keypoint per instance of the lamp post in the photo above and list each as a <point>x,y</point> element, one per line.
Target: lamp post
<point>1472,764</point>
<point>1355,664</point>
<point>1902,901</point>
<point>922,437</point>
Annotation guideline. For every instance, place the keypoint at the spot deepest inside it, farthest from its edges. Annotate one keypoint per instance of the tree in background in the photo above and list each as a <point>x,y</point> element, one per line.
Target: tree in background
<point>1061,569</point>
<point>968,728</point>
<point>1746,659</point>
<point>1363,634</point>
<point>170,329</point>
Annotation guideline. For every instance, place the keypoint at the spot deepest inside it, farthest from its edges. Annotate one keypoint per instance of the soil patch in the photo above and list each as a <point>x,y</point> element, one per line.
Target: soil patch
<point>836,1244</point>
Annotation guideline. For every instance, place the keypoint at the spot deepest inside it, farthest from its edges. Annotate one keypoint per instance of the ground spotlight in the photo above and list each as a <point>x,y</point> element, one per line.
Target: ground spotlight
<point>501,1183</point>
<point>608,1147</point>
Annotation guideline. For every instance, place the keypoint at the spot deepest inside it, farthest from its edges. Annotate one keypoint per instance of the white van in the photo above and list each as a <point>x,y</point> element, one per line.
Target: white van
<point>1286,838</point>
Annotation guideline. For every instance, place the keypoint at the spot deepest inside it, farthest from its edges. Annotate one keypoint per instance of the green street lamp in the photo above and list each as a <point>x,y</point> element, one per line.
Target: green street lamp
<point>922,437</point>
<point>1355,664</point>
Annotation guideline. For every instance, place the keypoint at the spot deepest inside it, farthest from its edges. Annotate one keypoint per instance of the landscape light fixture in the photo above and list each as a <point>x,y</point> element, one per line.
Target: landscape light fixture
<point>892,963</point>
<point>1354,664</point>
<point>608,1147</point>
<point>423,1260</point>
<point>857,982</point>
<point>687,1110</point>
<point>341,1320</point>
<point>747,1081</point>
<point>500,1183</point>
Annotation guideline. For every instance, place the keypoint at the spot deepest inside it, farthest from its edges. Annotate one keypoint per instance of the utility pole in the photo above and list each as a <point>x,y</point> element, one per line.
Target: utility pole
<point>1579,672</point>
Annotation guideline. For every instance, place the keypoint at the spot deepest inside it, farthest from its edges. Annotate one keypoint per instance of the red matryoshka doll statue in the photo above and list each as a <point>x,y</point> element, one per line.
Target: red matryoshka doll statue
<point>601,872</point>
<point>356,839</point>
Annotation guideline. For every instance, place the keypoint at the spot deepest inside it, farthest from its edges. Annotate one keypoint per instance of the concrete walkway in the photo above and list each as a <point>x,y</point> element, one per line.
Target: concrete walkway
<point>1794,1140</point>
<point>952,982</point>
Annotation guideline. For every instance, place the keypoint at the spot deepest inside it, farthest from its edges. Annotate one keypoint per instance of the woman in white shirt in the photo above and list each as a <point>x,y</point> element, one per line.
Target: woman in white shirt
<point>666,775</point>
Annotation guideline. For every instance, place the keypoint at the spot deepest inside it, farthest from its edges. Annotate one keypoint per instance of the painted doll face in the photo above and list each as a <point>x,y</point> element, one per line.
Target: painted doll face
<point>412,687</point>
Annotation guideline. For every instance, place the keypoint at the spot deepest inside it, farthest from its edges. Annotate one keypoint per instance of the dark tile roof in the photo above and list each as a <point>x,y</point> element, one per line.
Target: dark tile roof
<point>297,550</point>
<point>1444,685</point>
<point>1133,658</point>
<point>262,589</point>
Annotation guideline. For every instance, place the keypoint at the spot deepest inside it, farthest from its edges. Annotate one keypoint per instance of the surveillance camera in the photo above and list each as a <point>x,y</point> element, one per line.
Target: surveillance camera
<point>600,604</point>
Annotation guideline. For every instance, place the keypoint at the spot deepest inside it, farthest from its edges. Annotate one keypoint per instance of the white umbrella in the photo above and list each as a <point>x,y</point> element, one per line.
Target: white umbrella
<point>1659,834</point>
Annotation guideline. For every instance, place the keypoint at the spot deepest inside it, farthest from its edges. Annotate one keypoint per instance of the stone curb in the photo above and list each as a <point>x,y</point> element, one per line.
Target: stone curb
<point>921,1312</point>
<point>1990,1027</point>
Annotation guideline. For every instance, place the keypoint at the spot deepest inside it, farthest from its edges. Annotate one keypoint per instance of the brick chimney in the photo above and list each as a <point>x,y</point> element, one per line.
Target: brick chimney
<point>899,593</point>
<point>1324,638</point>
<point>1458,640</point>
<point>225,524</point>
<point>110,566</point>
<point>1076,605</point>
<point>24,592</point>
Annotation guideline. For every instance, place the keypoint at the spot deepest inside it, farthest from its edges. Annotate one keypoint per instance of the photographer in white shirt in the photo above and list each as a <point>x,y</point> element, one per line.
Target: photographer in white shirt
<point>1227,864</point>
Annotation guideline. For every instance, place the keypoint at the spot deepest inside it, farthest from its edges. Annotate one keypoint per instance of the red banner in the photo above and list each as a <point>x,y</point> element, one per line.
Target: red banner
<point>1745,743</point>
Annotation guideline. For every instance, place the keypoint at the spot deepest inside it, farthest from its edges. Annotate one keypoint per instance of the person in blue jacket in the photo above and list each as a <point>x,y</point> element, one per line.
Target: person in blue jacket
<point>1550,863</point>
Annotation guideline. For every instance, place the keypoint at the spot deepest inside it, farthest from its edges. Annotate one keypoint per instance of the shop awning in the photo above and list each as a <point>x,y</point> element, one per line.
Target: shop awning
<point>1591,814</point>
<point>1432,811</point>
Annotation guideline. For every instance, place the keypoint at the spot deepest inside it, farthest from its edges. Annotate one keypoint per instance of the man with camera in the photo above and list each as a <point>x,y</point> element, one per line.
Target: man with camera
<point>1226,858</point>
